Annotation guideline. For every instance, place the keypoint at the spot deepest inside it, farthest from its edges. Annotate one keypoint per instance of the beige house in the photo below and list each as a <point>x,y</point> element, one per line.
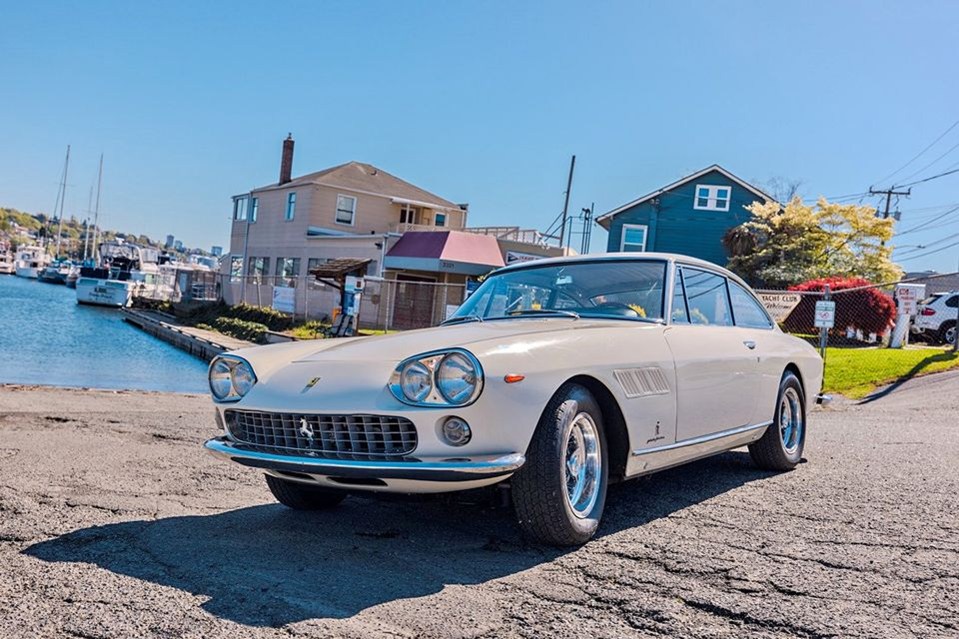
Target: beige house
<point>355,210</point>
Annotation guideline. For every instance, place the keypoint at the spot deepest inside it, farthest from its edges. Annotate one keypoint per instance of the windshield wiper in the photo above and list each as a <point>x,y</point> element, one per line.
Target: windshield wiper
<point>461,319</point>
<point>545,311</point>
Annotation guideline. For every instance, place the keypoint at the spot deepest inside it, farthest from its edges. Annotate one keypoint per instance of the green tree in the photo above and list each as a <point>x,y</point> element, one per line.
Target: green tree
<point>785,245</point>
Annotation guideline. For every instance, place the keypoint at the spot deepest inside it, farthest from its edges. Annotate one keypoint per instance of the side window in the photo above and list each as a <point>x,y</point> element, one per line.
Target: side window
<point>953,301</point>
<point>679,313</point>
<point>706,298</point>
<point>747,312</point>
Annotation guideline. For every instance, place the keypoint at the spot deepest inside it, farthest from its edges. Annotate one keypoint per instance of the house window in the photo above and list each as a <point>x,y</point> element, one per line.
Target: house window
<point>407,214</point>
<point>712,198</point>
<point>345,209</point>
<point>290,206</point>
<point>634,238</point>
<point>236,268</point>
<point>259,268</point>
<point>254,208</point>
<point>439,219</point>
<point>287,270</point>
<point>239,209</point>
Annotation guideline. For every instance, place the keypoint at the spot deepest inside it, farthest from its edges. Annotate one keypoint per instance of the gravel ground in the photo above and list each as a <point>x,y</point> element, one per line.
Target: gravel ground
<point>113,523</point>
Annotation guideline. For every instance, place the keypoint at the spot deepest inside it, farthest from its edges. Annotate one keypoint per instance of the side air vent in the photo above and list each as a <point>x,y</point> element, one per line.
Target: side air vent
<point>640,382</point>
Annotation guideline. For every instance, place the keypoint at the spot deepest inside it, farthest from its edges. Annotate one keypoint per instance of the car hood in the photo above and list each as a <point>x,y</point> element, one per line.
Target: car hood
<point>481,338</point>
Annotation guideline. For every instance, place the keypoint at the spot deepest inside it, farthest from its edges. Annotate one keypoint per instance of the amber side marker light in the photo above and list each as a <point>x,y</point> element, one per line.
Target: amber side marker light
<point>512,378</point>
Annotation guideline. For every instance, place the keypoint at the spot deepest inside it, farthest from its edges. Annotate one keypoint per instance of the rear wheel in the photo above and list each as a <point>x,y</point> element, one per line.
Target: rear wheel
<point>303,496</point>
<point>781,447</point>
<point>947,332</point>
<point>560,492</point>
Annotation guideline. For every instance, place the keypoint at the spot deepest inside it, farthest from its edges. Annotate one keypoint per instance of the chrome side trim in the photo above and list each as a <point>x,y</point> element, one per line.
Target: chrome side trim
<point>702,439</point>
<point>424,469</point>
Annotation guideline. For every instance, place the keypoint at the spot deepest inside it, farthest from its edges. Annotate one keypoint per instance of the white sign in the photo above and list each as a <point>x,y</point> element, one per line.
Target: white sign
<point>514,257</point>
<point>825,314</point>
<point>284,299</point>
<point>354,284</point>
<point>779,305</point>
<point>450,309</point>
<point>908,296</point>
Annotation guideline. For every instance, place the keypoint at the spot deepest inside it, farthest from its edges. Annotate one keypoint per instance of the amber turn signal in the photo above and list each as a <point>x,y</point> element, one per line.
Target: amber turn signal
<point>512,378</point>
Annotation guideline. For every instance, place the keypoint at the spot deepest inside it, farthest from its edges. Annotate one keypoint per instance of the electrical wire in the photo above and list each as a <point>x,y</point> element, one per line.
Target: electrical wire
<point>925,246</point>
<point>931,178</point>
<point>927,223</point>
<point>918,155</point>
<point>938,250</point>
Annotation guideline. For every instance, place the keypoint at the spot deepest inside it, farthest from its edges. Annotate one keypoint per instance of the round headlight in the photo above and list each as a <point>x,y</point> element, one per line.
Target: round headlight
<point>243,378</point>
<point>416,381</point>
<point>220,384</point>
<point>456,378</point>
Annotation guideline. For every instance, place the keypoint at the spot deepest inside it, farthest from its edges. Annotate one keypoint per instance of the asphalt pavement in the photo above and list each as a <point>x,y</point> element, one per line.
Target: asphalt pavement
<point>114,523</point>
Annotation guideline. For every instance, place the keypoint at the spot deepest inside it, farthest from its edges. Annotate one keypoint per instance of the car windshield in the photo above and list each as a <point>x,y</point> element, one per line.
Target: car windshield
<point>615,289</point>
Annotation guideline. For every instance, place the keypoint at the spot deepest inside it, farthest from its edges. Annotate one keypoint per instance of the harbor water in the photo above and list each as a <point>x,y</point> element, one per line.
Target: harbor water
<point>47,338</point>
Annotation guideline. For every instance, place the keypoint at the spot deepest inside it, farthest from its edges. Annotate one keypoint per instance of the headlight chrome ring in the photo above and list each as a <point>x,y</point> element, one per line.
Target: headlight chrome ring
<point>230,377</point>
<point>449,377</point>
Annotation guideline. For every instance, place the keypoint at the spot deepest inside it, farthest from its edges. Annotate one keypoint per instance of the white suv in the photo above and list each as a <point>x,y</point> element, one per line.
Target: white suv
<point>936,317</point>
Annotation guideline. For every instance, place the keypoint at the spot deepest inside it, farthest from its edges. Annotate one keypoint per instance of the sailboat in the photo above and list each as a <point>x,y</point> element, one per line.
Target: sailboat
<point>59,269</point>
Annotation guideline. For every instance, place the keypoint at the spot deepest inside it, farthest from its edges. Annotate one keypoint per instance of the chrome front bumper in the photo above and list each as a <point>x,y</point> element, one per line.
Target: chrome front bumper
<point>423,469</point>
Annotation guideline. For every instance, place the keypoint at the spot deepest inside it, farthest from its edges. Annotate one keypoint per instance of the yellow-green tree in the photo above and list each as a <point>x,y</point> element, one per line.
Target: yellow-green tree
<point>785,245</point>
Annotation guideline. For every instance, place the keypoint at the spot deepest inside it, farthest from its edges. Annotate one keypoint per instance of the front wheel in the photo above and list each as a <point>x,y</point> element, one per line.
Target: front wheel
<point>781,447</point>
<point>303,496</point>
<point>560,492</point>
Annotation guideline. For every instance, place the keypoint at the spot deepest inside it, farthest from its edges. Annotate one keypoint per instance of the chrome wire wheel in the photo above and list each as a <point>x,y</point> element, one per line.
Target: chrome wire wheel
<point>583,465</point>
<point>790,420</point>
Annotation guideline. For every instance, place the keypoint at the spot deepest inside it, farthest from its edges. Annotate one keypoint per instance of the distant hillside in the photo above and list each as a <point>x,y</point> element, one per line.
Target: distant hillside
<point>73,236</point>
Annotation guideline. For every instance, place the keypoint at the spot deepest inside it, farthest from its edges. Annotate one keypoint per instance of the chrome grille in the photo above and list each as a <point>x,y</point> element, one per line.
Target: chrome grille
<point>339,436</point>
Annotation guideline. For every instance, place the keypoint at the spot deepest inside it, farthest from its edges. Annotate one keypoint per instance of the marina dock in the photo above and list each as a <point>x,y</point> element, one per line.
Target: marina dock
<point>196,341</point>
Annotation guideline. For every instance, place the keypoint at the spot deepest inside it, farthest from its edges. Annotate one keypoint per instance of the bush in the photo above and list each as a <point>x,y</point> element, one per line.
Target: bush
<point>240,329</point>
<point>866,309</point>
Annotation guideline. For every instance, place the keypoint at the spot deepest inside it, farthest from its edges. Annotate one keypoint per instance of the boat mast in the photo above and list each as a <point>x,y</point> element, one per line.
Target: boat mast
<point>96,213</point>
<point>63,197</point>
<point>86,230</point>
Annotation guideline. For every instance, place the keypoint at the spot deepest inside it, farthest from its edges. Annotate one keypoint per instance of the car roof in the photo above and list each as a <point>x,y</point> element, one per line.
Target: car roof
<point>647,257</point>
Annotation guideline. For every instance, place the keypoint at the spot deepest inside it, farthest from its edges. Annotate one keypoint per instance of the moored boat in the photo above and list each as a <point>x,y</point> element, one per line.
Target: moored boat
<point>123,271</point>
<point>30,261</point>
<point>57,272</point>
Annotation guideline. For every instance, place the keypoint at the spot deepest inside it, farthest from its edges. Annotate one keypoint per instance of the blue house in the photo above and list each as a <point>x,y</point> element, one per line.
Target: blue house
<point>689,216</point>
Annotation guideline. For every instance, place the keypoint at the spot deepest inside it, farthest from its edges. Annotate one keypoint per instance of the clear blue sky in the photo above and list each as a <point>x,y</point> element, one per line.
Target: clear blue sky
<point>477,101</point>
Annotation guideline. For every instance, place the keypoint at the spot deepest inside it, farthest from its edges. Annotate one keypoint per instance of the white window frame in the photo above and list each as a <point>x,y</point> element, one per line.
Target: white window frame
<point>336,211</point>
<point>290,212</point>
<point>622,237</point>
<point>712,197</point>
<point>437,216</point>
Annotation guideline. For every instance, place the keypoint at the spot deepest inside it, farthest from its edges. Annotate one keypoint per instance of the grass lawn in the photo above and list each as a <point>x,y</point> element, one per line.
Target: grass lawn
<point>856,372</point>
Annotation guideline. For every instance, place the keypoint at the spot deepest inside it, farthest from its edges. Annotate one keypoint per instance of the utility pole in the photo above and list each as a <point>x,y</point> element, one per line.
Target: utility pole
<point>569,186</point>
<point>888,193</point>
<point>587,228</point>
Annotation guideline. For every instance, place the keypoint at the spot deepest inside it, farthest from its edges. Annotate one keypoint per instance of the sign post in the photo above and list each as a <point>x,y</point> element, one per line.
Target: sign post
<point>825,319</point>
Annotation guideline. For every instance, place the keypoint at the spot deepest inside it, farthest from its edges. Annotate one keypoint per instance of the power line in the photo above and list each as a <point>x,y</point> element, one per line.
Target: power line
<point>929,179</point>
<point>938,250</point>
<point>927,223</point>
<point>918,155</point>
<point>925,246</point>
<point>915,173</point>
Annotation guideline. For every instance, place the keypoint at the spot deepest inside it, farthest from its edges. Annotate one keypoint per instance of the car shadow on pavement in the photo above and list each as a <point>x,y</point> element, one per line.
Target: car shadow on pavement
<point>910,374</point>
<point>268,566</point>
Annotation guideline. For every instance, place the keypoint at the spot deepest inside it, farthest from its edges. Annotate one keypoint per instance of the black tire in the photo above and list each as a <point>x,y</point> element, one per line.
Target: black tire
<point>944,331</point>
<point>771,452</point>
<point>303,496</point>
<point>539,488</point>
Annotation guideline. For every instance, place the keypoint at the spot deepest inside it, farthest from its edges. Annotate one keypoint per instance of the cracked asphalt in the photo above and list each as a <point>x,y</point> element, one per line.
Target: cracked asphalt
<point>114,523</point>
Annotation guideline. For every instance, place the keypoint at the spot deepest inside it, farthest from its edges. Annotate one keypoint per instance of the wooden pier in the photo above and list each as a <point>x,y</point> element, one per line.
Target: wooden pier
<point>196,341</point>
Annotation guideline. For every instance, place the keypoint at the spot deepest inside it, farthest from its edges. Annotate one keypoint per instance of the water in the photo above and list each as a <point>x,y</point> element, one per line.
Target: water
<point>47,338</point>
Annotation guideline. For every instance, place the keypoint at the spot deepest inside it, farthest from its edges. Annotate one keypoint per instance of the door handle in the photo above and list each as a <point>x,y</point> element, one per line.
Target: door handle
<point>750,344</point>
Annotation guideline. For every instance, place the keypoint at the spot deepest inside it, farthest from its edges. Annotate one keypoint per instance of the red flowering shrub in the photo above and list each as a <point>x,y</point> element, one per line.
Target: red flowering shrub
<point>866,309</point>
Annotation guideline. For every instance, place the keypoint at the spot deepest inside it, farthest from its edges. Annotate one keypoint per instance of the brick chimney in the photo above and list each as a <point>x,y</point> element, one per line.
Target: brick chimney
<point>286,163</point>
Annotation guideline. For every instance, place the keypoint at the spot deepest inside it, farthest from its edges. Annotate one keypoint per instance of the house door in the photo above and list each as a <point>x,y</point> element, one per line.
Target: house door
<point>413,302</point>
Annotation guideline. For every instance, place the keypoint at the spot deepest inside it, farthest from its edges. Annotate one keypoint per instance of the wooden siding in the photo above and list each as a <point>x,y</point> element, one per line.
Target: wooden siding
<point>674,226</point>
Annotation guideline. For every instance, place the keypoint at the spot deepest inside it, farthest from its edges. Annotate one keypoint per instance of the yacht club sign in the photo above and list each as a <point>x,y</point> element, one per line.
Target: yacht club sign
<point>779,303</point>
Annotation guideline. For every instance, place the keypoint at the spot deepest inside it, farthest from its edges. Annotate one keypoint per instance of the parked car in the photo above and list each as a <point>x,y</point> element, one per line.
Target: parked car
<point>936,317</point>
<point>557,377</point>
